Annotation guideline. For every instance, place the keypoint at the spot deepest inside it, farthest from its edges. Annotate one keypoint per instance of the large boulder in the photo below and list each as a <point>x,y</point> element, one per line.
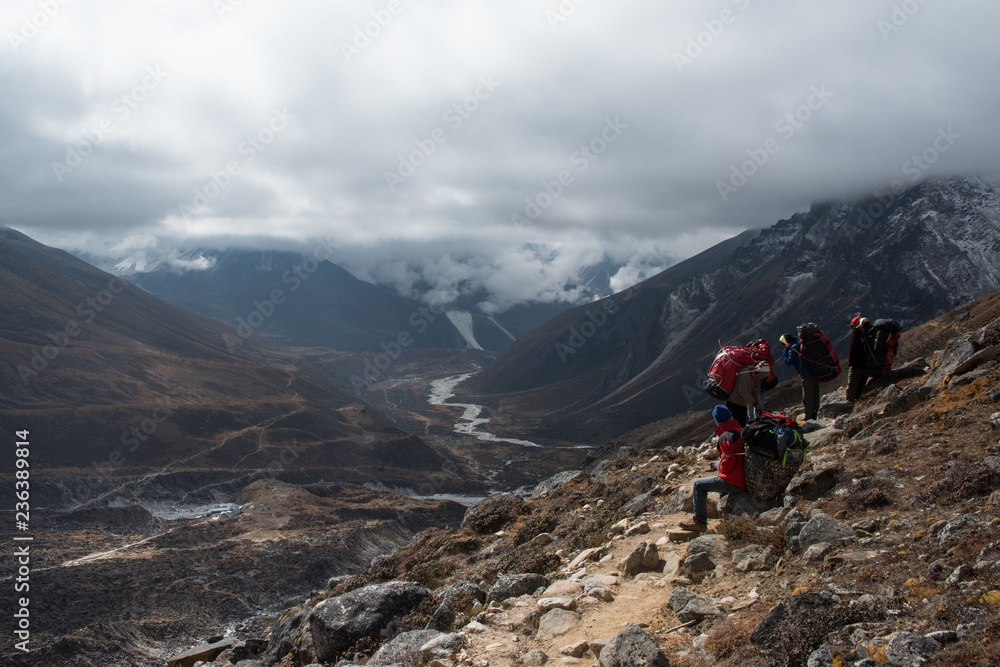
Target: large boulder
<point>632,647</point>
<point>814,484</point>
<point>713,545</point>
<point>823,528</point>
<point>515,585</point>
<point>290,634</point>
<point>340,622</point>
<point>494,513</point>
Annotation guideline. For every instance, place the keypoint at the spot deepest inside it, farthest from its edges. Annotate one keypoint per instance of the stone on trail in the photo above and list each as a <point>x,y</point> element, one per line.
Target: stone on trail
<point>632,647</point>
<point>823,528</point>
<point>645,558</point>
<point>557,622</point>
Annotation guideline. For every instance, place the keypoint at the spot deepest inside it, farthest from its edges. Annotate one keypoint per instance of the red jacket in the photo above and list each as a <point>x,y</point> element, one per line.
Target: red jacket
<point>731,455</point>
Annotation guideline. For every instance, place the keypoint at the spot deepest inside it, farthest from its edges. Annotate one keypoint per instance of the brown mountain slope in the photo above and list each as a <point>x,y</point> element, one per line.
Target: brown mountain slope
<point>127,395</point>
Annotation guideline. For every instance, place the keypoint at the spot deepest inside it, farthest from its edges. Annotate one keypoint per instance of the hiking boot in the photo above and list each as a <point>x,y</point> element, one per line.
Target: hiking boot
<point>694,525</point>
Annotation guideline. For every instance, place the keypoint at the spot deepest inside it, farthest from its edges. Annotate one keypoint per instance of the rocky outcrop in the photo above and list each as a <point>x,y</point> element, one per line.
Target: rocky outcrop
<point>514,585</point>
<point>632,647</point>
<point>494,513</point>
<point>340,622</point>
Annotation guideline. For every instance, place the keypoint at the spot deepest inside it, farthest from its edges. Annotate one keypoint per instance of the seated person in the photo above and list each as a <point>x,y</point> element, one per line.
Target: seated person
<point>731,478</point>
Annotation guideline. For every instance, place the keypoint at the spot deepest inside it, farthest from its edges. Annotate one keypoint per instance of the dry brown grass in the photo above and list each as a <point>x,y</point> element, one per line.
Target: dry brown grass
<point>741,531</point>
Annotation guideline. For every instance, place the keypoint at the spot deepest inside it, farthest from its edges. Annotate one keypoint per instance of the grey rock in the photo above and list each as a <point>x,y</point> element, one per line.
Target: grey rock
<point>250,662</point>
<point>632,647</point>
<point>764,560</point>
<point>956,353</point>
<point>700,562</point>
<point>836,409</point>
<point>817,551</point>
<point>554,483</point>
<point>745,504</point>
<point>442,647</point>
<point>992,462</point>
<point>680,501</point>
<point>957,529</point>
<point>470,588</point>
<point>739,555</point>
<point>689,606</point>
<point>638,505</point>
<point>339,622</point>
<point>943,636</point>
<point>515,585</point>
<point>823,528</point>
<point>792,531</point>
<point>821,657</point>
<point>713,545</point>
<point>534,658</point>
<point>958,575</point>
<point>333,582</point>
<point>644,558</point>
<point>403,648</point>
<point>814,484</point>
<point>907,400</point>
<point>288,633</point>
<point>557,622</point>
<point>772,517</point>
<point>907,648</point>
<point>995,420</point>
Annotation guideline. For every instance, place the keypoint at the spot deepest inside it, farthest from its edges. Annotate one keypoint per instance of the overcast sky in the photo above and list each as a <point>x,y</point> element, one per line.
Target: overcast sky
<point>125,125</point>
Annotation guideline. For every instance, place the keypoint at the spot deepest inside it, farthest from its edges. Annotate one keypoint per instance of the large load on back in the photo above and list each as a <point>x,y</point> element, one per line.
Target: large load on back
<point>726,368</point>
<point>881,345</point>
<point>817,352</point>
<point>761,351</point>
<point>774,447</point>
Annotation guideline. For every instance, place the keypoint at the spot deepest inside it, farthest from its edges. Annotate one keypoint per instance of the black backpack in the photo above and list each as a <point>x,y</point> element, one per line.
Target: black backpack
<point>881,344</point>
<point>817,352</point>
<point>776,437</point>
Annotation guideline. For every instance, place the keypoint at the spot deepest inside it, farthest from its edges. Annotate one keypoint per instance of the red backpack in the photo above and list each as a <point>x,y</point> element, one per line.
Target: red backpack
<point>761,351</point>
<point>726,367</point>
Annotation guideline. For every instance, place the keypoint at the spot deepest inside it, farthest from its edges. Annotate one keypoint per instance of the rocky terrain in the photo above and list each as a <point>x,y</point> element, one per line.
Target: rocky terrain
<point>885,548</point>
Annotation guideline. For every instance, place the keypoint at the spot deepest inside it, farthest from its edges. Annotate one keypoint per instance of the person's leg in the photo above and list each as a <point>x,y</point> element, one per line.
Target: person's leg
<point>856,381</point>
<point>704,486</point>
<point>810,397</point>
<point>739,412</point>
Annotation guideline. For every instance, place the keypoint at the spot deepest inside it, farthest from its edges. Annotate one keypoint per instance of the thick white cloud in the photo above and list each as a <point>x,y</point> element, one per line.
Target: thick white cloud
<point>267,123</point>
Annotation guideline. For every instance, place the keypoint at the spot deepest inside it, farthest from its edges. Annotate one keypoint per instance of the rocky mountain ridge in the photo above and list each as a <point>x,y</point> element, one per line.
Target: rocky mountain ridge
<point>884,549</point>
<point>596,371</point>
